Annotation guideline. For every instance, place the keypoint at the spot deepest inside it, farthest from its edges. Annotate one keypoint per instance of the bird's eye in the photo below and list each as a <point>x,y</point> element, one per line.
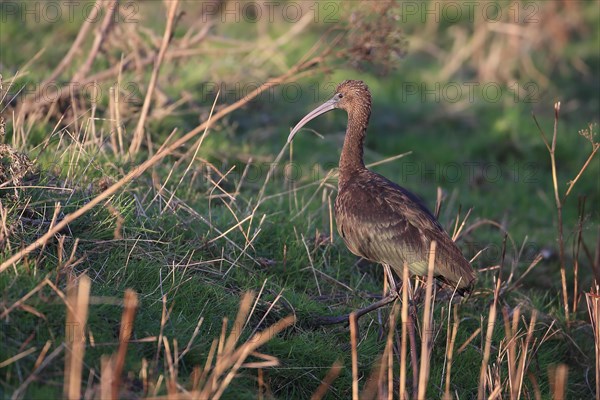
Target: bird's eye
<point>340,95</point>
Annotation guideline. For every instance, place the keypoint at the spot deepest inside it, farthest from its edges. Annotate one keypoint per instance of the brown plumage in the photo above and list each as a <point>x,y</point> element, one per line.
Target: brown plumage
<point>378,219</point>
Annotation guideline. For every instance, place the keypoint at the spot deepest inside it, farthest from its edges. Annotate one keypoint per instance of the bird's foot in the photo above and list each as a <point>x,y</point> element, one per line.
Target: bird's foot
<point>392,296</point>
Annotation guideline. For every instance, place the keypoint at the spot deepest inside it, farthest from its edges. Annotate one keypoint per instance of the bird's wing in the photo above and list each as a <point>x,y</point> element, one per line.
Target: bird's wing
<point>385,223</point>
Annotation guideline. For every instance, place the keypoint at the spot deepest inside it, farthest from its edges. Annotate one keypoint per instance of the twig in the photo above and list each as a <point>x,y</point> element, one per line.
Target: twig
<point>83,31</point>
<point>552,151</point>
<point>111,6</point>
<point>595,148</point>
<point>139,130</point>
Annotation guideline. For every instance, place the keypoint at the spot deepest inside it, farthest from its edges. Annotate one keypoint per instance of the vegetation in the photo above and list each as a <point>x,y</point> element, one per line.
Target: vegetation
<point>158,236</point>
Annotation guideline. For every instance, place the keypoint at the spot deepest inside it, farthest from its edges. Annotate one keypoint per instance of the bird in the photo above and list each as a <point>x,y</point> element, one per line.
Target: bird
<point>378,219</point>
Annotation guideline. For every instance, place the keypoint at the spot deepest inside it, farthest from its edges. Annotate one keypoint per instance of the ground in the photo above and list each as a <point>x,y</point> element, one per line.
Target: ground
<point>216,217</point>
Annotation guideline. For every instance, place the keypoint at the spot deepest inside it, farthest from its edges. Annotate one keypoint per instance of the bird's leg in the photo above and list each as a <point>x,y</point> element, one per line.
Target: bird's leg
<point>359,313</point>
<point>410,326</point>
<point>392,295</point>
<point>391,280</point>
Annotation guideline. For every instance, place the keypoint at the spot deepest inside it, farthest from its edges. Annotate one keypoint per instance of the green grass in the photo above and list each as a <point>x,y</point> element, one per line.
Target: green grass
<point>171,251</point>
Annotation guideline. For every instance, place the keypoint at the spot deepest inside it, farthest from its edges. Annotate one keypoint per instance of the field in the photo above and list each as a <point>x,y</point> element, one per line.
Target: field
<point>160,239</point>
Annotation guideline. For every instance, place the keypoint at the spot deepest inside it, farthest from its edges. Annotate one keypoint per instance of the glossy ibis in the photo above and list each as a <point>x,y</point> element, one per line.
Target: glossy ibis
<point>378,219</point>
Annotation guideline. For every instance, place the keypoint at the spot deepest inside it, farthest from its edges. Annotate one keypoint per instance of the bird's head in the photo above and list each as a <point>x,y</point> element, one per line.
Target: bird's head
<point>352,96</point>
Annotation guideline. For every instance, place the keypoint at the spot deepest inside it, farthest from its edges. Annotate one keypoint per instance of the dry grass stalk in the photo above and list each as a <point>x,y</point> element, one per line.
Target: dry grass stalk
<point>220,348</point>
<point>118,119</point>
<point>55,95</point>
<point>312,265</point>
<point>381,380</point>
<point>42,354</point>
<point>236,331</point>
<point>18,394</point>
<point>17,357</point>
<point>375,384</point>
<point>517,365</point>
<point>576,248</point>
<point>517,388</point>
<point>138,135</point>
<point>537,393</point>
<point>163,321</point>
<point>532,265</point>
<point>482,46</point>
<point>589,135</point>
<point>144,375</point>
<point>551,148</point>
<point>127,319</point>
<point>404,317</point>
<point>510,332</point>
<point>189,345</point>
<point>558,381</point>
<point>273,303</point>
<point>78,298</point>
<point>459,228</point>
<point>261,384</point>
<point>23,299</point>
<point>234,360</point>
<point>552,151</point>
<point>106,377</point>
<point>389,351</point>
<point>172,373</point>
<point>84,69</point>
<point>49,83</point>
<point>5,229</point>
<point>427,328</point>
<point>75,47</point>
<point>593,304</point>
<point>112,96</point>
<point>450,352</point>
<point>488,343</point>
<point>207,382</point>
<point>332,374</point>
<point>354,354</point>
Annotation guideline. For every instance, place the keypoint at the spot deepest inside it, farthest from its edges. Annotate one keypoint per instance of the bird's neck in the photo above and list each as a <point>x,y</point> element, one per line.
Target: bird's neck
<point>351,160</point>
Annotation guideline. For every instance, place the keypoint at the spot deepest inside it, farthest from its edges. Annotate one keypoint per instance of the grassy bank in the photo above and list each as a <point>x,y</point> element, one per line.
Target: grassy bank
<point>194,211</point>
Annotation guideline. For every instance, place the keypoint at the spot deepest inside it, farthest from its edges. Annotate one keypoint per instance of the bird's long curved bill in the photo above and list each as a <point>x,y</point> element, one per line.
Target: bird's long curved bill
<point>322,109</point>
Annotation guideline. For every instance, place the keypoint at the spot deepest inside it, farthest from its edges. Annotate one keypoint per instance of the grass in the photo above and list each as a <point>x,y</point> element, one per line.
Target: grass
<point>193,232</point>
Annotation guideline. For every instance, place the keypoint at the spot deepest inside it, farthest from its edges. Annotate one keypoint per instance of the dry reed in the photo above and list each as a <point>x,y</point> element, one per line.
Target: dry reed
<point>427,333</point>
<point>593,304</point>
<point>138,135</point>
